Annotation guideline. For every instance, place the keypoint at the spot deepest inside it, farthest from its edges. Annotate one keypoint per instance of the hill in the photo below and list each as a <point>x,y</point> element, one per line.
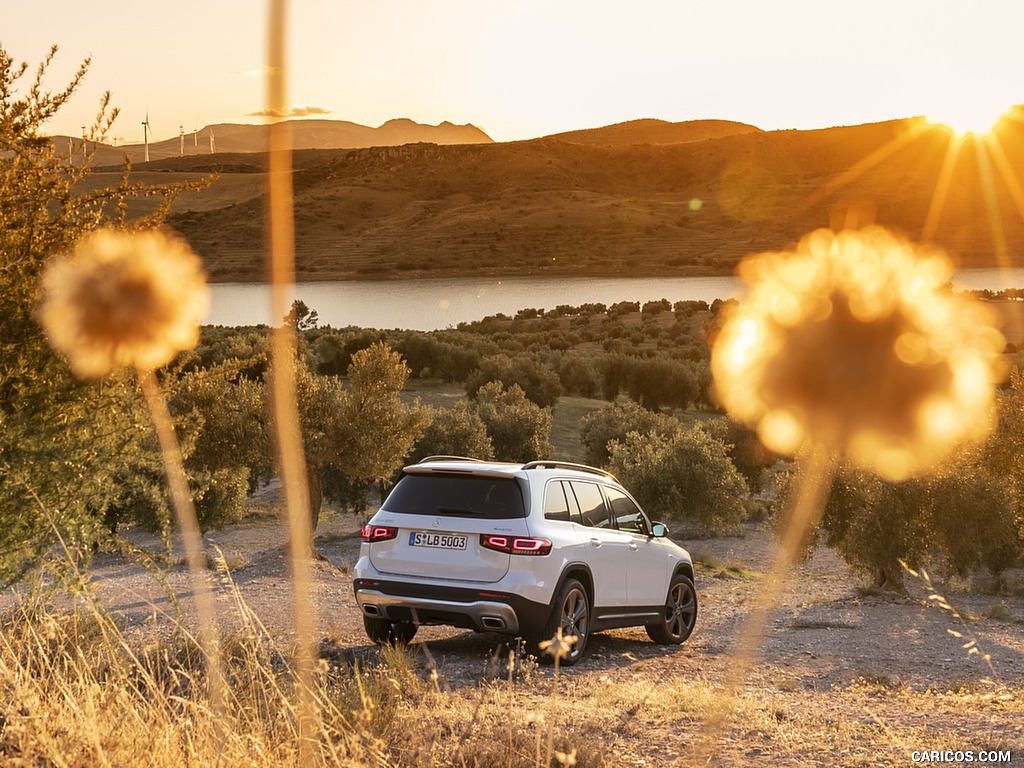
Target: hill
<point>650,131</point>
<point>555,206</point>
<point>306,134</point>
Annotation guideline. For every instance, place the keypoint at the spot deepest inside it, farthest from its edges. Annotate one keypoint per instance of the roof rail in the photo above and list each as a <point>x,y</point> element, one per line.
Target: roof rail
<point>546,464</point>
<point>429,459</point>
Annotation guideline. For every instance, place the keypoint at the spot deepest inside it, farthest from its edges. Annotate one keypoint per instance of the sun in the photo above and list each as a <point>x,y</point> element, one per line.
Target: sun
<point>970,117</point>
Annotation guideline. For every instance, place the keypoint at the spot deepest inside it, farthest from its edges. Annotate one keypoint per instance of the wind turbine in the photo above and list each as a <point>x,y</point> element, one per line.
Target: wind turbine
<point>181,140</point>
<point>213,144</point>
<point>145,136</point>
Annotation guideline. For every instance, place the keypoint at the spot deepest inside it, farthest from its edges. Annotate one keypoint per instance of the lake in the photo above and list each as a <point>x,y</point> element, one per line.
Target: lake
<point>431,304</point>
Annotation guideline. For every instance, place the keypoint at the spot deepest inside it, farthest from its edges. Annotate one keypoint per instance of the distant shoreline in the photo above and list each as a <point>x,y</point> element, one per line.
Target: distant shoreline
<point>349,276</point>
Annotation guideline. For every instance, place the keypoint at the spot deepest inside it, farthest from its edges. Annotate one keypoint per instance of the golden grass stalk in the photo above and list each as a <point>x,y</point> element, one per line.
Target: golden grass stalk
<point>123,299</point>
<point>283,394</point>
<point>559,647</point>
<point>815,469</point>
<point>192,539</point>
<point>74,691</point>
<point>850,345</point>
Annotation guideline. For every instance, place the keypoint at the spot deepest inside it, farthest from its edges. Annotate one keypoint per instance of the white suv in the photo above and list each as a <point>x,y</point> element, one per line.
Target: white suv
<point>523,549</point>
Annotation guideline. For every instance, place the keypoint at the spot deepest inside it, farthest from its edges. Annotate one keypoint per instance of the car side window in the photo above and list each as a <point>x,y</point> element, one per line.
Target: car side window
<point>628,516</point>
<point>593,511</point>
<point>556,506</point>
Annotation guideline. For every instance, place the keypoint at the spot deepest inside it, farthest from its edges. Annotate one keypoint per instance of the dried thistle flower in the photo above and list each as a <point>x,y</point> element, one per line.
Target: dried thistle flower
<point>124,299</point>
<point>853,341</point>
<point>568,759</point>
<point>559,646</point>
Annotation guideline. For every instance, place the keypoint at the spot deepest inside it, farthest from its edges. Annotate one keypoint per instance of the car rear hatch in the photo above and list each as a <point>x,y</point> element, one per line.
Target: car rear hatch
<point>440,518</point>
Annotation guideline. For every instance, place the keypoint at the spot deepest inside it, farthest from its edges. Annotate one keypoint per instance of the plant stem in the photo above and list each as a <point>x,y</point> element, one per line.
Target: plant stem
<point>814,477</point>
<point>192,539</point>
<point>283,350</point>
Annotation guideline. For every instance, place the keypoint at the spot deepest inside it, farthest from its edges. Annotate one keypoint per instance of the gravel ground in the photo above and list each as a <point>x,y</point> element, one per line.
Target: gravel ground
<point>826,632</point>
<point>826,638</point>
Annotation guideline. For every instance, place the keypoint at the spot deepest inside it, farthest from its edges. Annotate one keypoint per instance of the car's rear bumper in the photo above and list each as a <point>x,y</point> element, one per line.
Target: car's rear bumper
<point>481,610</point>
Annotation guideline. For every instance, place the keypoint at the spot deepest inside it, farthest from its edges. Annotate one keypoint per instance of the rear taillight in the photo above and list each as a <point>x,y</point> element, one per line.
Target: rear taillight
<point>371,533</point>
<point>515,545</point>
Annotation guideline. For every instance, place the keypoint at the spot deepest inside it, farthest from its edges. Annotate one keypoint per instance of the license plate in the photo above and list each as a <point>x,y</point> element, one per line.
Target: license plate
<point>439,540</point>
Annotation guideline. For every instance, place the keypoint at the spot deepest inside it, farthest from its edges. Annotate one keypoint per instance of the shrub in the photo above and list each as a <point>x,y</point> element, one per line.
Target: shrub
<point>519,429</point>
<point>685,475</point>
<point>656,307</point>
<point>456,431</point>
<point>657,382</point>
<point>962,518</point>
<point>536,380</point>
<point>67,448</point>
<point>614,422</point>
<point>578,375</point>
<point>684,309</point>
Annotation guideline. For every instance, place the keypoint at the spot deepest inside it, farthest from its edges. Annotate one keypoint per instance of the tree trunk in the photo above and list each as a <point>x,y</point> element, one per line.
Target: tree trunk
<point>889,578</point>
<point>315,479</point>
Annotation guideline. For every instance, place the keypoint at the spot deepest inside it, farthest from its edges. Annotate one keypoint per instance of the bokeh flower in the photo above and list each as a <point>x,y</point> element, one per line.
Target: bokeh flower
<point>559,646</point>
<point>123,299</point>
<point>854,341</point>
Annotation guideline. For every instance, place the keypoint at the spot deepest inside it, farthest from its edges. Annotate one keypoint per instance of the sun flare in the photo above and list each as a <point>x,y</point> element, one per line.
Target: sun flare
<point>970,118</point>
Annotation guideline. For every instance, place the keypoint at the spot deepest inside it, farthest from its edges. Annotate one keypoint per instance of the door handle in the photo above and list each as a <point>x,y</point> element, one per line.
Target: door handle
<point>633,546</point>
<point>595,543</point>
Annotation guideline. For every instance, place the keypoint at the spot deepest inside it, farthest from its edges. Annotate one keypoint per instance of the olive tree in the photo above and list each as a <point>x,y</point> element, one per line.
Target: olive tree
<point>537,381</point>
<point>683,475</point>
<point>966,515</point>
<point>616,420</point>
<point>379,428</point>
<point>519,429</point>
<point>874,524</point>
<point>70,452</point>
<point>223,415</point>
<point>657,382</point>
<point>455,431</point>
<point>362,431</point>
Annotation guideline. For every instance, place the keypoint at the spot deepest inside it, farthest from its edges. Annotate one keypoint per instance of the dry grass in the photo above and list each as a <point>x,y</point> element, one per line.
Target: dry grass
<point>75,691</point>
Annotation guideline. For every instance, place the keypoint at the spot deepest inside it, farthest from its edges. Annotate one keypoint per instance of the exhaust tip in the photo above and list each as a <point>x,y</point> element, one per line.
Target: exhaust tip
<point>492,622</point>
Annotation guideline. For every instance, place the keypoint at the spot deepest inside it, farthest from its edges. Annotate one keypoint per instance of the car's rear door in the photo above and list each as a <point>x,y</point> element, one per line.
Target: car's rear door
<point>608,548</point>
<point>648,564</point>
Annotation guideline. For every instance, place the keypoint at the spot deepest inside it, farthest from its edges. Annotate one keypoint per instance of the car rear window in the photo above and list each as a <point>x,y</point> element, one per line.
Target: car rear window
<point>487,498</point>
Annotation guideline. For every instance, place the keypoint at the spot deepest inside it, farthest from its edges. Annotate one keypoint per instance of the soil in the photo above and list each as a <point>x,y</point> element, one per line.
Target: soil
<point>827,628</point>
<point>827,634</point>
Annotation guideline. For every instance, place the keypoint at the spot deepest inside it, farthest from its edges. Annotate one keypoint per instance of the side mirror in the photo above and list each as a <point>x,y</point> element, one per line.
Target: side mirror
<point>659,531</point>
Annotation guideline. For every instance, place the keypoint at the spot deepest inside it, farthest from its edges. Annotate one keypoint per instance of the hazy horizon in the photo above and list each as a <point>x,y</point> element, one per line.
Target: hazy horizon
<point>531,69</point>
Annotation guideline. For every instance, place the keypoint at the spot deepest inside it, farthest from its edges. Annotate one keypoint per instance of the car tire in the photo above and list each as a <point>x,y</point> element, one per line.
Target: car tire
<point>384,632</point>
<point>570,612</point>
<point>679,615</point>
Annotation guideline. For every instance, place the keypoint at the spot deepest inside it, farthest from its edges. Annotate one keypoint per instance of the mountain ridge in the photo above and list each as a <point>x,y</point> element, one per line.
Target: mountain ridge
<point>654,131</point>
<point>314,133</point>
<point>560,206</point>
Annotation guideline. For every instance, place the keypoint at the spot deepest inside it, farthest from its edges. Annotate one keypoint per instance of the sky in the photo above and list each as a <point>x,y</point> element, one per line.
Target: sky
<point>519,69</point>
